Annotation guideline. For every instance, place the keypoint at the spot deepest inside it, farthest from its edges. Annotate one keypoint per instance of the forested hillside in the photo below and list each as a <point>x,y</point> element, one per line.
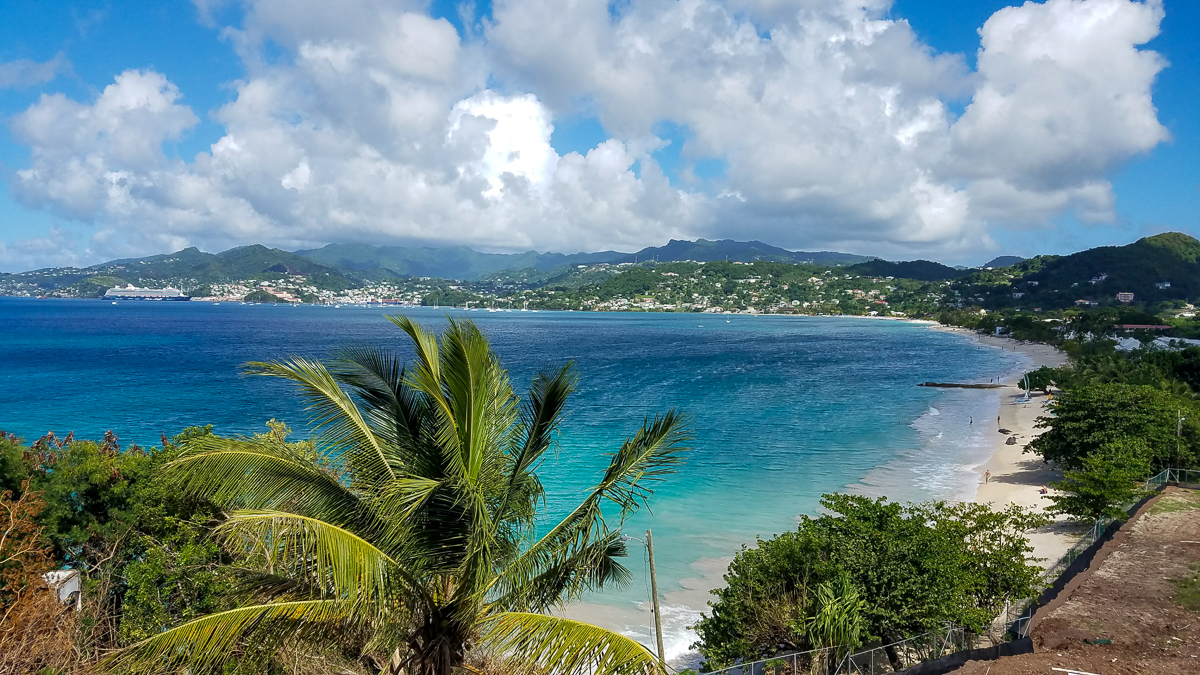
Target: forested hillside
<point>1161,268</point>
<point>189,270</point>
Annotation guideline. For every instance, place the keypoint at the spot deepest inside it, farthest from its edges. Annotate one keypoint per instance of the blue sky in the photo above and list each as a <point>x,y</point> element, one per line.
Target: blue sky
<point>672,169</point>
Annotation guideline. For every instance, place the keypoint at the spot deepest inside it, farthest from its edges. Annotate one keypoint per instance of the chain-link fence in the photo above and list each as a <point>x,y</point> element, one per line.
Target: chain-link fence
<point>874,660</point>
<point>1013,622</point>
<point>897,656</point>
<point>1017,616</point>
<point>1189,477</point>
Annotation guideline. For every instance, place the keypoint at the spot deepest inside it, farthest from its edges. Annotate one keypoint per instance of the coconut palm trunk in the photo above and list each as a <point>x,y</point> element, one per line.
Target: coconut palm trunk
<point>416,535</point>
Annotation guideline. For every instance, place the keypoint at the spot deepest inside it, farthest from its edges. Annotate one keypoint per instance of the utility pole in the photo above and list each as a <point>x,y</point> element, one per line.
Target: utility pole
<point>1179,418</point>
<point>654,592</point>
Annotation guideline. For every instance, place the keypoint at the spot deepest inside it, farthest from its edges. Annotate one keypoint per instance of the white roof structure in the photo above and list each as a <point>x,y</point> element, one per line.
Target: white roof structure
<point>66,583</point>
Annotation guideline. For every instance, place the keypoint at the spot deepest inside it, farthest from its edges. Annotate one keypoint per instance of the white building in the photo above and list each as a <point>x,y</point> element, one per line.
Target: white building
<point>66,583</point>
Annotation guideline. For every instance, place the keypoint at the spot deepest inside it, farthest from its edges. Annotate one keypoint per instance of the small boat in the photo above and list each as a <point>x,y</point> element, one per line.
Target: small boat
<point>114,302</point>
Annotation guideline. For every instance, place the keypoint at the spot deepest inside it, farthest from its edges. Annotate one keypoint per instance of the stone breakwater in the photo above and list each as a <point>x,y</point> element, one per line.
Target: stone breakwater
<point>954,385</point>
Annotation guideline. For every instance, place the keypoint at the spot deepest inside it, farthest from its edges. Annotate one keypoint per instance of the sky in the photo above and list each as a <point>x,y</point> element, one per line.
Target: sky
<point>904,129</point>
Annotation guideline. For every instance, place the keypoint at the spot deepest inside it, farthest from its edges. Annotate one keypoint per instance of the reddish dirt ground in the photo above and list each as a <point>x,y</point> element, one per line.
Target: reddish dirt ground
<point>1143,595</point>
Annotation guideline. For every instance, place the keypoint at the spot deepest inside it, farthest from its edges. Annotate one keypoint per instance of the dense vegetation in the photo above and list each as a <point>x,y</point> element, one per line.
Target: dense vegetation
<point>1118,418</point>
<point>896,570</point>
<point>141,547</point>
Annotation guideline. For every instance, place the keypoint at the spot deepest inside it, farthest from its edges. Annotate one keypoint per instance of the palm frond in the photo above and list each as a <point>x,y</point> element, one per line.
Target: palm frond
<point>251,473</point>
<point>377,376</point>
<point>214,639</point>
<point>565,576</point>
<point>323,555</point>
<point>650,455</point>
<point>560,646</point>
<point>540,417</point>
<point>334,414</point>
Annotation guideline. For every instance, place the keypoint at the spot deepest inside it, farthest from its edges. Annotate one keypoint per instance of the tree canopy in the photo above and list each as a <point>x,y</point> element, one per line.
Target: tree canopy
<point>913,567</point>
<point>1089,418</point>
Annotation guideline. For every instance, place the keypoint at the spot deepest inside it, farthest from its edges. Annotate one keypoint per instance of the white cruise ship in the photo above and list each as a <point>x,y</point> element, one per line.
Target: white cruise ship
<point>132,292</point>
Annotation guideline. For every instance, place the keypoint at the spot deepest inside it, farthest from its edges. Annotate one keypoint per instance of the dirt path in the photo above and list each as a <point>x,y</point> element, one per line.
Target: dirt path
<point>1144,597</point>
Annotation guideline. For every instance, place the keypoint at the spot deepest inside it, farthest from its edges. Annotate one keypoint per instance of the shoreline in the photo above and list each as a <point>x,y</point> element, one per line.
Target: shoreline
<point>1017,477</point>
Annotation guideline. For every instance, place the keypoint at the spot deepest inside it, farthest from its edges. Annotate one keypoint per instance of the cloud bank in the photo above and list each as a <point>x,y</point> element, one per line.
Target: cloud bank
<point>833,125</point>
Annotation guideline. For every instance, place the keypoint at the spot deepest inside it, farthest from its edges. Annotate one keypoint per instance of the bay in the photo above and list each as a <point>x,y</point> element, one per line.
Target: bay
<point>782,408</point>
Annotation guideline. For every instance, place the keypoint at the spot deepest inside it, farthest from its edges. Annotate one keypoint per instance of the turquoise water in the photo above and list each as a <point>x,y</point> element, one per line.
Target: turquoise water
<point>783,408</point>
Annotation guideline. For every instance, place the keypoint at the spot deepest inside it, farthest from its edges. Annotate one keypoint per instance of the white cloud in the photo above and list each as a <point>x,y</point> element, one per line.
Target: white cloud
<point>85,155</point>
<point>27,73</point>
<point>831,120</point>
<point>1064,99</point>
<point>57,245</point>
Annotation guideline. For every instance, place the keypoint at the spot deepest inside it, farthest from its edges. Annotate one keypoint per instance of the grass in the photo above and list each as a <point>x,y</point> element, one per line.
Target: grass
<point>1187,589</point>
<point>1179,501</point>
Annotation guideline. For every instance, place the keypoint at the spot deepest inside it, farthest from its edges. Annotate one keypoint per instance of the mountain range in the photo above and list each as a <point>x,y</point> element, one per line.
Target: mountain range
<point>460,262</point>
<point>1161,267</point>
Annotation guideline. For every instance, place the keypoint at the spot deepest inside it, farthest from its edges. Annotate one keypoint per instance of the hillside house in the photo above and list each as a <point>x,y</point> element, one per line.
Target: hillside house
<point>1125,298</point>
<point>1162,285</point>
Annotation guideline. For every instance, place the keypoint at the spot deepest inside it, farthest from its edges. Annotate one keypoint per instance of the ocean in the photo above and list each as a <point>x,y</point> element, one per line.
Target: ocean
<point>783,408</point>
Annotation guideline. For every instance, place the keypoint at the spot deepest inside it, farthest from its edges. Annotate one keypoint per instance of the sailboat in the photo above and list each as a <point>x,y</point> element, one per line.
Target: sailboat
<point>1025,398</point>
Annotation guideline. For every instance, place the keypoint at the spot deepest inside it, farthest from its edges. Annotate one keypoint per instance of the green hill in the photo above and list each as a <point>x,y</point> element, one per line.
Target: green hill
<point>1161,268</point>
<point>921,270</point>
<point>451,262</point>
<point>703,250</point>
<point>1003,261</point>
<point>188,269</point>
<point>365,261</point>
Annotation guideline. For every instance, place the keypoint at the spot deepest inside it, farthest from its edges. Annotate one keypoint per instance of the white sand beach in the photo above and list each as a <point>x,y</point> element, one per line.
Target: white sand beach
<point>1016,477</point>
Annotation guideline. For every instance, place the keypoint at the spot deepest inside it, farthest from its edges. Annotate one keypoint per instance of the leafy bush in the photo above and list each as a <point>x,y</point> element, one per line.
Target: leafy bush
<point>1104,484</point>
<point>914,567</point>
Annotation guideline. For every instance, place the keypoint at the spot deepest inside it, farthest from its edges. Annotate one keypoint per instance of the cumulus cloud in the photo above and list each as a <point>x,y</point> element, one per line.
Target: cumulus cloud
<point>1064,99</point>
<point>85,157</point>
<point>832,121</point>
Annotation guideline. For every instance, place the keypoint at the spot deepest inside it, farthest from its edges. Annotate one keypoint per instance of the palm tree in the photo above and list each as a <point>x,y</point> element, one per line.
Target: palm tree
<point>414,535</point>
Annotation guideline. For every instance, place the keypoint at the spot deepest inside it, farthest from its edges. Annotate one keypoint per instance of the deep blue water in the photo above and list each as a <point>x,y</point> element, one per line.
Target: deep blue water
<point>783,408</point>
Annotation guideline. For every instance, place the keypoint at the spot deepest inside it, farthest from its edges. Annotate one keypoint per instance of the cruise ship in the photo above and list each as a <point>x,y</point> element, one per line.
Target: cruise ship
<point>132,292</point>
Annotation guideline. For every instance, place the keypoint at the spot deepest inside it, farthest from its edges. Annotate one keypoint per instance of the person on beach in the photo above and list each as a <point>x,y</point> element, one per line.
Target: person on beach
<point>987,475</point>
<point>972,421</point>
